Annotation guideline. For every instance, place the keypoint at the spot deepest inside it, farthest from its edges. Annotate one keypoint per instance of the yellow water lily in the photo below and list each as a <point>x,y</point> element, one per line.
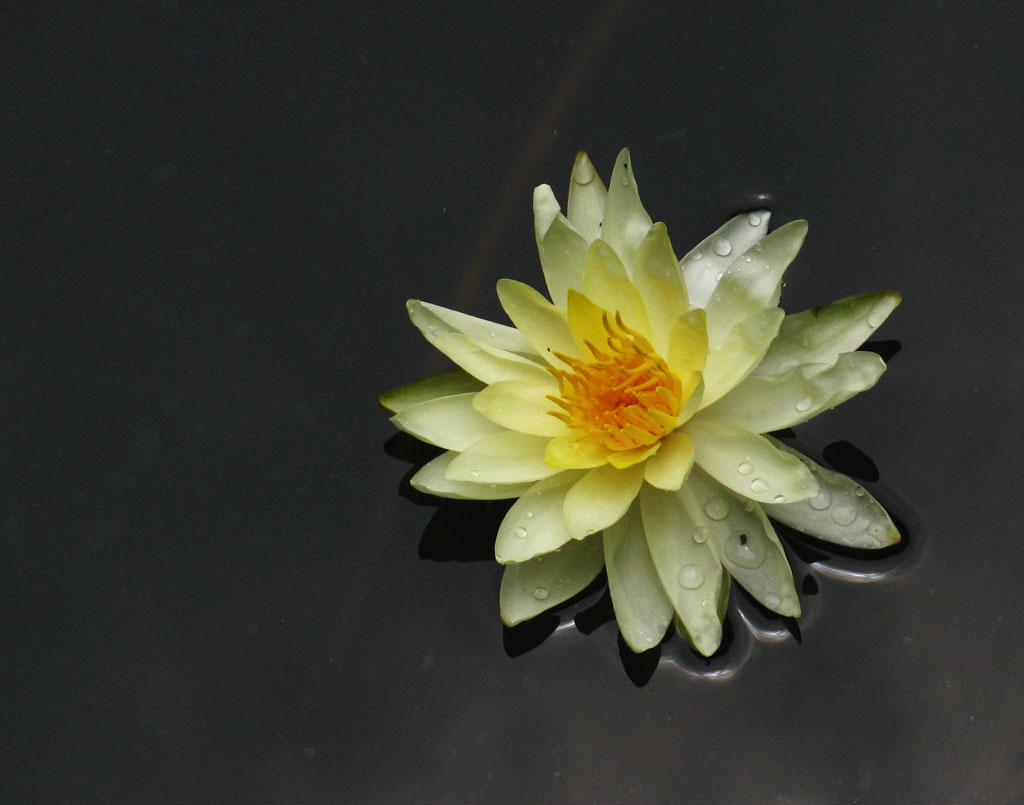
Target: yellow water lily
<point>625,412</point>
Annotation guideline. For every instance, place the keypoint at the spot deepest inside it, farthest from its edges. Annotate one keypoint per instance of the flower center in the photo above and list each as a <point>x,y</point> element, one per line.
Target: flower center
<point>625,398</point>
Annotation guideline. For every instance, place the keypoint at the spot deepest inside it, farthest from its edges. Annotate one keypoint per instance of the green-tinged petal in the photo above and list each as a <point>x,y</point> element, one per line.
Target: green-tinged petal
<point>739,353</point>
<point>690,572</point>
<point>688,343</point>
<point>600,498</point>
<point>749,464</point>
<point>561,258</point>
<point>587,195</point>
<point>430,388</point>
<point>586,323</point>
<point>668,468</point>
<point>431,481</point>
<point>522,406</point>
<point>642,609</point>
<point>842,512</point>
<point>486,363</point>
<point>752,283</point>
<point>822,334</point>
<point>744,542</point>
<point>448,422</point>
<point>502,458</point>
<point>763,403</point>
<point>544,325</point>
<point>545,210</point>
<point>434,321</point>
<point>705,264</point>
<point>571,452</point>
<point>606,285</point>
<point>535,524</point>
<point>529,588</point>
<point>626,222</point>
<point>660,283</point>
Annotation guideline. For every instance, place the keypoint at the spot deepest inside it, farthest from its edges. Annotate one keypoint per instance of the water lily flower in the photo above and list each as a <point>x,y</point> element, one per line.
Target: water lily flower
<point>627,414</point>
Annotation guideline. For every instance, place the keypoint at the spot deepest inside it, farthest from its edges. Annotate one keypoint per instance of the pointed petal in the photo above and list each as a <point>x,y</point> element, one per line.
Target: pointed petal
<point>626,222</point>
<point>689,570</point>
<point>434,320</point>
<point>606,285</point>
<point>587,195</point>
<point>842,512</point>
<point>443,385</point>
<point>822,334</point>
<point>707,262</point>
<point>502,458</point>
<point>586,323</point>
<point>751,284</point>
<point>600,498</point>
<point>448,422</point>
<point>688,343</point>
<point>739,353</point>
<point>545,209</point>
<point>763,403</point>
<point>668,468</point>
<point>544,325</point>
<point>529,588</point>
<point>521,406</point>
<point>748,464</point>
<point>535,525</point>
<point>642,609</point>
<point>561,258</point>
<point>658,279</point>
<point>431,481</point>
<point>744,541</point>
<point>486,363</point>
<point>571,452</point>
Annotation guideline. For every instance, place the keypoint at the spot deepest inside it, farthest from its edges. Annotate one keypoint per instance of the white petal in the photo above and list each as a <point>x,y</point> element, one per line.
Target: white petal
<point>744,541</point>
<point>688,568</point>
<point>751,284</point>
<point>747,463</point>
<point>822,334</point>
<point>842,512</point>
<point>703,266</point>
<point>434,320</point>
<point>448,422</point>
<point>487,363</point>
<point>626,222</point>
<point>431,481</point>
<point>503,458</point>
<point>545,209</point>
<point>600,498</point>
<point>739,353</point>
<point>587,195</point>
<point>521,406</point>
<point>535,524</point>
<point>544,325</point>
<point>763,403</point>
<point>660,283</point>
<point>606,284</point>
<point>642,609</point>
<point>668,468</point>
<point>561,258</point>
<point>529,588</point>
<point>443,385</point>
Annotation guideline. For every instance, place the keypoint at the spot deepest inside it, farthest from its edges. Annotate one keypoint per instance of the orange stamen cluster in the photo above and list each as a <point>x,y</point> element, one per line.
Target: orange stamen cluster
<point>626,397</point>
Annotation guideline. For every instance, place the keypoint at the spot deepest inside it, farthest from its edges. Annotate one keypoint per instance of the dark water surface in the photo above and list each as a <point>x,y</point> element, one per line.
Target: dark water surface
<point>216,586</point>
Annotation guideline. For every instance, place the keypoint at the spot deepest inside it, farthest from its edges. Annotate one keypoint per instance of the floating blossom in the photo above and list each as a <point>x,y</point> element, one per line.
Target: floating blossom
<point>626,414</point>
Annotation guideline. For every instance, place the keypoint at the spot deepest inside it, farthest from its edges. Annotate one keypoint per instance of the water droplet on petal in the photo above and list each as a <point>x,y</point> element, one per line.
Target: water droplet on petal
<point>717,508</point>
<point>745,550</point>
<point>690,577</point>
<point>529,515</point>
<point>540,593</point>
<point>878,314</point>
<point>493,334</point>
<point>648,639</point>
<point>520,533</point>
<point>805,341</point>
<point>822,500</point>
<point>749,259</point>
<point>697,255</point>
<point>719,276</point>
<point>771,600</point>
<point>804,404</point>
<point>877,530</point>
<point>759,485</point>
<point>859,491</point>
<point>700,536</point>
<point>779,499</point>
<point>722,247</point>
<point>748,505</point>
<point>745,468</point>
<point>844,515</point>
<point>475,473</point>
<point>584,173</point>
<point>754,219</point>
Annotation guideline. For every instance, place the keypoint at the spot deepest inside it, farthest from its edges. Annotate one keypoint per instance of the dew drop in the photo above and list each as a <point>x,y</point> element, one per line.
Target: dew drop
<point>804,404</point>
<point>648,639</point>
<point>859,491</point>
<point>759,485</point>
<point>717,508</point>
<point>749,259</point>
<point>771,600</point>
<point>520,533</point>
<point>697,255</point>
<point>754,219</point>
<point>529,515</point>
<point>584,173</point>
<point>722,247</point>
<point>877,530</point>
<point>844,515</point>
<point>700,536</point>
<point>748,505</point>
<point>540,593</point>
<point>878,314</point>
<point>493,334</point>
<point>805,341</point>
<point>822,500</point>
<point>719,276</point>
<point>779,499</point>
<point>745,468</point>
<point>745,550</point>
<point>690,577</point>
<point>475,473</point>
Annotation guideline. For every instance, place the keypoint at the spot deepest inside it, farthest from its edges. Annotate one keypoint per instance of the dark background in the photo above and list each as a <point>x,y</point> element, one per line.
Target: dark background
<point>213,588</point>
